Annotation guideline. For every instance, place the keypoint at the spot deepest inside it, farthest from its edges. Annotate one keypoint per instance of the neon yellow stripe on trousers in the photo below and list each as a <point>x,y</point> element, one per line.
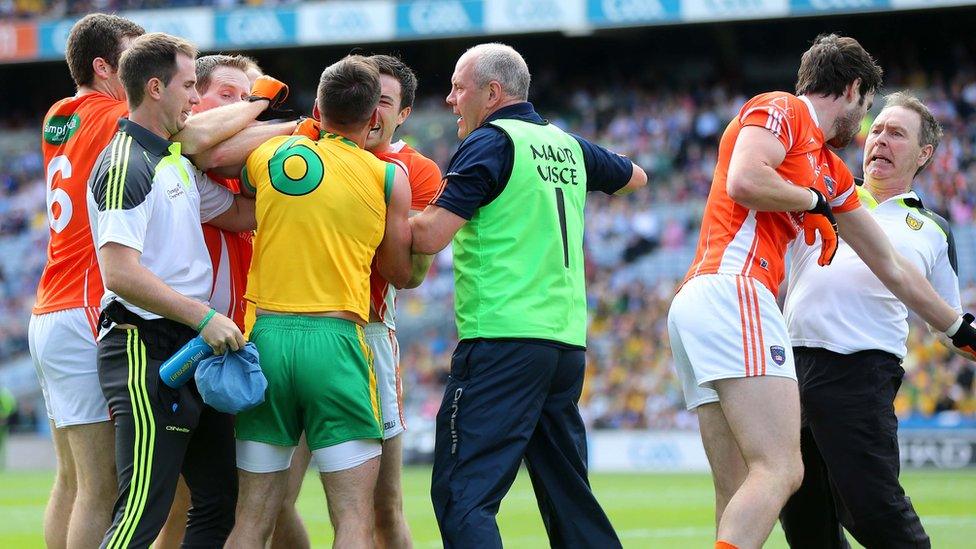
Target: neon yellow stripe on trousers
<point>142,446</point>
<point>143,498</point>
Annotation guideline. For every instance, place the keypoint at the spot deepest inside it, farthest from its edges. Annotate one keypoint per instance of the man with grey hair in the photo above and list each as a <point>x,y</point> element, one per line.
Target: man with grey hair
<point>512,201</point>
<point>848,334</point>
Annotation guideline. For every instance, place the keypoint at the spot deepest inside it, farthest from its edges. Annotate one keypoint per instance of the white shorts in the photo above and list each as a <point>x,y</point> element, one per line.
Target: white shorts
<point>261,457</point>
<point>386,363</point>
<point>722,327</point>
<point>62,346</point>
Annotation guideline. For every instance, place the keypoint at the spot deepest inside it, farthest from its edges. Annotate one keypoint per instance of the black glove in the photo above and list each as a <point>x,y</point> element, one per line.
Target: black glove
<point>965,337</point>
<point>820,219</point>
<point>278,115</point>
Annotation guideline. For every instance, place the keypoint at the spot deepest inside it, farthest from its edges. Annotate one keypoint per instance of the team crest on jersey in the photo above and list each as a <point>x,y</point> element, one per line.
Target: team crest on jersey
<point>830,184</point>
<point>778,354</point>
<point>913,222</point>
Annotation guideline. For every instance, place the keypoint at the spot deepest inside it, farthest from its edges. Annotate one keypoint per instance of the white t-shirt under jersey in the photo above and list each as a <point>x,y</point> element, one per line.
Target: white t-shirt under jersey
<point>843,307</point>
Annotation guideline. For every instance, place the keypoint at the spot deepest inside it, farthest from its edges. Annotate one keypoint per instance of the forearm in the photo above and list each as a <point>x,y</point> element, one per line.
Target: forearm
<point>394,263</point>
<point>206,129</point>
<point>228,157</point>
<point>909,286</point>
<point>142,288</point>
<point>420,264</point>
<point>762,189</point>
<point>426,239</point>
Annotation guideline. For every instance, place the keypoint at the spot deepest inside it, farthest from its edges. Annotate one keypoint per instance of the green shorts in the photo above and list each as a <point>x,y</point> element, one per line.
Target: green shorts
<point>320,380</point>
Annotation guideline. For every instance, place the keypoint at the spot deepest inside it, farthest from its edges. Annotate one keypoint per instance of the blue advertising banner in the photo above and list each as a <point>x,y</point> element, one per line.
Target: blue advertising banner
<point>802,7</point>
<point>614,13</point>
<point>243,28</point>
<point>418,18</point>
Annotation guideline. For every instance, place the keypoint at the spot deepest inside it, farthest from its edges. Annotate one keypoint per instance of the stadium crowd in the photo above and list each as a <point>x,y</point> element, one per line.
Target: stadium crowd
<point>634,247</point>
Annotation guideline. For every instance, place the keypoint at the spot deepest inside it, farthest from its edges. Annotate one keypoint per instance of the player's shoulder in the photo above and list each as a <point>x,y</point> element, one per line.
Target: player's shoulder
<point>268,149</point>
<point>123,174</point>
<point>786,105</point>
<point>940,227</point>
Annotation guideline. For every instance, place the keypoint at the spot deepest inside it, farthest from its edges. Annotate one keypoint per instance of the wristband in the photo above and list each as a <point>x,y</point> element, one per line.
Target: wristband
<point>206,320</point>
<point>954,327</point>
<point>816,199</point>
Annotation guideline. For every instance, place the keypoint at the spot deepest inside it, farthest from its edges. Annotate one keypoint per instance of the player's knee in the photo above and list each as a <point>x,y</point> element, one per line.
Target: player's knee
<point>388,515</point>
<point>793,474</point>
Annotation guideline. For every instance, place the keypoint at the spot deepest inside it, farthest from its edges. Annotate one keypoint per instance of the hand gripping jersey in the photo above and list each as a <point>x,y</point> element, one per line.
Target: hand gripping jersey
<point>425,180</point>
<point>76,129</point>
<point>739,241</point>
<point>230,255</point>
<point>321,213</point>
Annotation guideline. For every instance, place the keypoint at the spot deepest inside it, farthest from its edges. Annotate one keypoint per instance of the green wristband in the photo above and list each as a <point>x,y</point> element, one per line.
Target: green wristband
<point>206,320</point>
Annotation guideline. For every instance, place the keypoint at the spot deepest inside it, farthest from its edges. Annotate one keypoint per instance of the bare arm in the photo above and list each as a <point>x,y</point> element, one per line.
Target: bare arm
<point>752,179</point>
<point>434,228</point>
<point>227,158</point>
<point>123,274</point>
<point>206,129</point>
<point>393,258</point>
<point>238,218</point>
<point>638,179</point>
<point>420,263</point>
<point>871,244</point>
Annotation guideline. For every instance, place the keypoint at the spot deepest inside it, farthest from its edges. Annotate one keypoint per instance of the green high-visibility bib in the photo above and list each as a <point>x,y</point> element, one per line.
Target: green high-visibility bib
<point>518,263</point>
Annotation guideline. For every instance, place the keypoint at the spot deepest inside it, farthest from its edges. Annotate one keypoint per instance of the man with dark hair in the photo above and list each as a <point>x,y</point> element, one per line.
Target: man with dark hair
<point>222,80</point>
<point>775,177</point>
<point>849,365</point>
<point>63,326</point>
<point>146,202</point>
<point>327,208</point>
<point>398,85</point>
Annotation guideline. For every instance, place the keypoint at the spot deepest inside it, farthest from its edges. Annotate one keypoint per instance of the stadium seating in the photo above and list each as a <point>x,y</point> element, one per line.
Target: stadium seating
<point>638,247</point>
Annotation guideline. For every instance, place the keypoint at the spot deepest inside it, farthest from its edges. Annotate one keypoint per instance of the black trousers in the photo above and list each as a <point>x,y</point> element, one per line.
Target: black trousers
<point>161,433</point>
<point>849,442</point>
<point>507,401</point>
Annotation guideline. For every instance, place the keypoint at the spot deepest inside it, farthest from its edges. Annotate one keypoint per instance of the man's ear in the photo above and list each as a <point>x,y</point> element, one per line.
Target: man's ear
<point>853,90</point>
<point>154,88</point>
<point>924,155</point>
<point>494,93</point>
<point>101,68</point>
<point>374,118</point>
<point>404,113</point>
<point>315,111</point>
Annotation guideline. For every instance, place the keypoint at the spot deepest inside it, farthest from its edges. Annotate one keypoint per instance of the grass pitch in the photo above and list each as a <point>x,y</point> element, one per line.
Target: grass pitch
<point>648,510</point>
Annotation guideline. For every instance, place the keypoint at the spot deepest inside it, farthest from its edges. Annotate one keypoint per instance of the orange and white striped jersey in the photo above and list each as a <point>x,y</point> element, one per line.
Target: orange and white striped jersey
<point>75,131</point>
<point>425,180</point>
<point>230,255</point>
<point>738,241</point>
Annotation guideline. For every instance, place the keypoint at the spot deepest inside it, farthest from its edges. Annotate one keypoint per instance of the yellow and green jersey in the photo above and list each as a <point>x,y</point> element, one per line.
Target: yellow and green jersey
<point>321,213</point>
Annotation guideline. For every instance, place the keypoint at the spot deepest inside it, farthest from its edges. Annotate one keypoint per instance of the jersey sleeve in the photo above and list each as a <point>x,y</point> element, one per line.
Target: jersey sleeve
<point>215,199</point>
<point>606,171</point>
<point>844,198</point>
<point>774,112</point>
<point>472,179</point>
<point>425,181</point>
<point>122,192</point>
<point>943,273</point>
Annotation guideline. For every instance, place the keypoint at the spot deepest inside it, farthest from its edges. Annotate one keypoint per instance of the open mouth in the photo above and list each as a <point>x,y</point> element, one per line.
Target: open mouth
<point>879,158</point>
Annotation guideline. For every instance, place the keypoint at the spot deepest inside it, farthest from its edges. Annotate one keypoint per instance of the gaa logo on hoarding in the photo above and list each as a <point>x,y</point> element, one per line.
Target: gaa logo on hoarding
<point>58,129</point>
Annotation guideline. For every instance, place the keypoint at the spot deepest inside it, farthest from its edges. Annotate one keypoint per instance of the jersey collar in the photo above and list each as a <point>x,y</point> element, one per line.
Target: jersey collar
<point>150,141</point>
<point>910,198</point>
<point>338,137</point>
<point>813,112</point>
